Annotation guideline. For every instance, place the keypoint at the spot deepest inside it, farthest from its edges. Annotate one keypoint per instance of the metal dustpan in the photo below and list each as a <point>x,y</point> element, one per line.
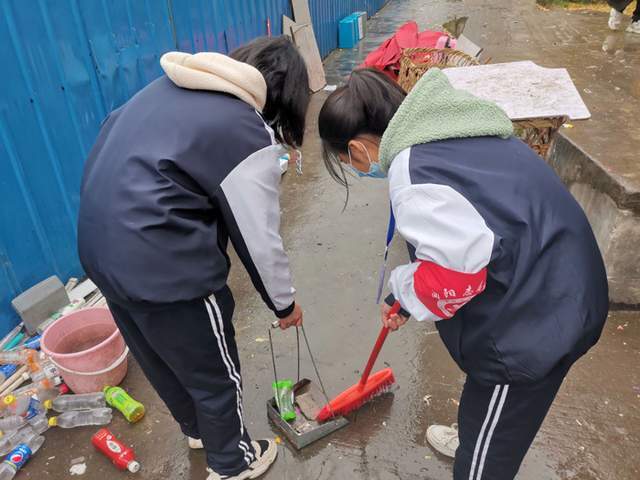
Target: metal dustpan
<point>309,398</point>
<point>304,430</point>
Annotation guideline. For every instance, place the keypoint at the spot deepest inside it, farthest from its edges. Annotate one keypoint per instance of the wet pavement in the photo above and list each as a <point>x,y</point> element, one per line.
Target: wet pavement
<point>604,65</point>
<point>592,431</point>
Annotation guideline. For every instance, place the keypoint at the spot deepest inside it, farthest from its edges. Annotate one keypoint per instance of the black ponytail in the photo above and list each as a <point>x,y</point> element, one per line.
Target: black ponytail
<point>285,72</point>
<point>365,105</point>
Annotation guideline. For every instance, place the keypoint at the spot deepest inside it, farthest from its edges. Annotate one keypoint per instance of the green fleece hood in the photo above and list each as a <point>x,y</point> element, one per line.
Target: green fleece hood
<point>434,110</point>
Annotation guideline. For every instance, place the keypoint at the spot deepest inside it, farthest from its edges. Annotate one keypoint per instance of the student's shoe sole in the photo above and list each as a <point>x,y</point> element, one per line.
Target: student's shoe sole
<point>266,460</point>
<point>195,444</point>
<point>258,468</point>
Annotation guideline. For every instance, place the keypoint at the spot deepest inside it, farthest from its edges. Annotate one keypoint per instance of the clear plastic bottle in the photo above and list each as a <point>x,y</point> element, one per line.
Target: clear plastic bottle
<point>19,456</point>
<point>15,405</point>
<point>68,403</point>
<point>20,357</point>
<point>97,416</point>
<point>45,389</point>
<point>14,422</point>
<point>9,442</point>
<point>39,423</point>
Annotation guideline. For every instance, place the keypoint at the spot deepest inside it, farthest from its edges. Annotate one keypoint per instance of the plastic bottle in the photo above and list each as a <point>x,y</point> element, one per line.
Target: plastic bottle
<point>97,416</point>
<point>45,389</point>
<point>20,357</point>
<point>35,409</point>
<point>19,456</point>
<point>31,344</point>
<point>6,371</point>
<point>122,456</point>
<point>283,391</point>
<point>11,423</point>
<point>11,441</point>
<point>120,399</point>
<point>39,424</point>
<point>68,403</point>
<point>15,405</point>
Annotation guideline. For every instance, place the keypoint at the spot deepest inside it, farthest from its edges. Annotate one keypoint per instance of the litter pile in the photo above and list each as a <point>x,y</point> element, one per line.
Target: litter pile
<point>46,401</point>
<point>28,412</point>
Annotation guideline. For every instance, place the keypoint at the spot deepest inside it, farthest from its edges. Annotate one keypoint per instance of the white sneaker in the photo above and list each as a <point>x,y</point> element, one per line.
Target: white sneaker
<point>266,453</point>
<point>634,27</point>
<point>195,443</point>
<point>615,19</point>
<point>444,439</point>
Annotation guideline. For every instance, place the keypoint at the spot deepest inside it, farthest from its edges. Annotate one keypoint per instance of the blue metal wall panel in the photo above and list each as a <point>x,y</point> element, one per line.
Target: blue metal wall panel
<point>67,64</point>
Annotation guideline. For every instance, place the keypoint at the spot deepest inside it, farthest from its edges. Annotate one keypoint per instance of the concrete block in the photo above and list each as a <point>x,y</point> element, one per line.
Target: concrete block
<point>36,304</point>
<point>612,212</point>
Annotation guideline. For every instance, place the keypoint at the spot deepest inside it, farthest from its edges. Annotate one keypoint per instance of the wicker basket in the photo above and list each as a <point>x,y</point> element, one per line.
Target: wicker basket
<point>416,61</point>
<point>537,133</point>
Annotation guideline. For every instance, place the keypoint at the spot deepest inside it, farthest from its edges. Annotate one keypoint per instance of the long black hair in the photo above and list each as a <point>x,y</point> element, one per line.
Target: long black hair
<point>288,94</point>
<point>365,105</point>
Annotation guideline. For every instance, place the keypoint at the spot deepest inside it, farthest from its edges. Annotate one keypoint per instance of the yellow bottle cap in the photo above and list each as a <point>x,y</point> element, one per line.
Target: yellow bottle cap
<point>48,404</point>
<point>9,399</point>
<point>53,422</point>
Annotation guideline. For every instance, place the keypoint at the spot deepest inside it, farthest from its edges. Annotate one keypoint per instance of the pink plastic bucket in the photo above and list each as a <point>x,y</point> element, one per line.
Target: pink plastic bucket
<point>88,349</point>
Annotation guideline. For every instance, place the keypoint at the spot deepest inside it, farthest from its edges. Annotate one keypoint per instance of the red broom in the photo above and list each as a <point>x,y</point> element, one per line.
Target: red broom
<point>367,388</point>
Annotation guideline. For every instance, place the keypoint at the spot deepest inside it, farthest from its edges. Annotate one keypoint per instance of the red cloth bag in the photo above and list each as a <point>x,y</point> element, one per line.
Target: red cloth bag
<point>386,57</point>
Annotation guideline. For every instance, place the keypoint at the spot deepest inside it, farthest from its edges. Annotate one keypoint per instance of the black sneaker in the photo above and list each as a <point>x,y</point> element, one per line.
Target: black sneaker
<point>266,453</point>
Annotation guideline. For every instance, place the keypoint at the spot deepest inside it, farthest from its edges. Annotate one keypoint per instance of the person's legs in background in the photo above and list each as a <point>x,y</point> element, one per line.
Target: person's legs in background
<point>635,20</point>
<point>616,16</point>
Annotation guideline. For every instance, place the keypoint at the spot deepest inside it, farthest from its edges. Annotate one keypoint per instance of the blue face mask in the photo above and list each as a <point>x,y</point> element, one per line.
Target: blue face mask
<point>374,167</point>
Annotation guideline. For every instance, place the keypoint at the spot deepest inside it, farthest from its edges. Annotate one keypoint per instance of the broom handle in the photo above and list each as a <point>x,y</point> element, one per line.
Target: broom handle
<point>377,347</point>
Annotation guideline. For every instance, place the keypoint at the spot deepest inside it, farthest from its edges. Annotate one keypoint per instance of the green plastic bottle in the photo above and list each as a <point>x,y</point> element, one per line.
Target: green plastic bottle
<point>119,399</point>
<point>283,391</point>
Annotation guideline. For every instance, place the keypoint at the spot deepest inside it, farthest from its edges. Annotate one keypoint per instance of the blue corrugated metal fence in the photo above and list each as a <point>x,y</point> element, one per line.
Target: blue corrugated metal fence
<point>66,64</point>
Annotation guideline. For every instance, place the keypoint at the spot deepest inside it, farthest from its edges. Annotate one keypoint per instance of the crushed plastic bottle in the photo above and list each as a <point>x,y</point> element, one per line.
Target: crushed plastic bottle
<point>35,409</point>
<point>15,405</point>
<point>14,422</point>
<point>19,456</point>
<point>68,403</point>
<point>10,442</point>
<point>39,424</point>
<point>44,390</point>
<point>20,357</point>
<point>97,416</point>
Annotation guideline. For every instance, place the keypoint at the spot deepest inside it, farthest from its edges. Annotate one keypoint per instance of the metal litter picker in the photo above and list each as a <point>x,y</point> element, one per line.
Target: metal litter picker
<point>309,399</point>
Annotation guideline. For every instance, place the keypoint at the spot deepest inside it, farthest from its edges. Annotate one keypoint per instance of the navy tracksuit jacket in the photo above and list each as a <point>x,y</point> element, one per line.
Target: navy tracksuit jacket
<point>506,258</point>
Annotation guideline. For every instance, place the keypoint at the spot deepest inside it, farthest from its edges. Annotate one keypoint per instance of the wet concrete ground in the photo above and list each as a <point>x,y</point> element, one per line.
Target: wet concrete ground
<point>592,432</point>
<point>604,65</point>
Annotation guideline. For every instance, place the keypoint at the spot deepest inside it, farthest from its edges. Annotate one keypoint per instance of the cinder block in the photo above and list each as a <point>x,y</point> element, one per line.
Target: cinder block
<point>39,302</point>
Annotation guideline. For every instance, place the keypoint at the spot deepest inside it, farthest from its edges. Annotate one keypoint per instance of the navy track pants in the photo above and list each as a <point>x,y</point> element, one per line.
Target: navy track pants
<point>188,352</point>
<point>497,424</point>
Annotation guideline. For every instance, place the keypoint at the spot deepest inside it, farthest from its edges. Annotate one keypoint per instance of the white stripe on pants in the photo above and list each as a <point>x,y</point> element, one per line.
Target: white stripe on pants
<point>218,331</point>
<point>499,390</point>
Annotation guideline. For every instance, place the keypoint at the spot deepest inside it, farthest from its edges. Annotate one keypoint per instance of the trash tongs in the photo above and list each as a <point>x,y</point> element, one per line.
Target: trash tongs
<point>298,384</point>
